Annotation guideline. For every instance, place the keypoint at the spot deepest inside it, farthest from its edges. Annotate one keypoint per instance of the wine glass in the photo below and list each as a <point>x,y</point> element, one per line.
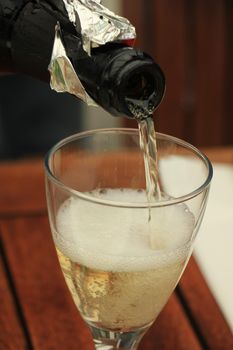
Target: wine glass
<point>119,266</point>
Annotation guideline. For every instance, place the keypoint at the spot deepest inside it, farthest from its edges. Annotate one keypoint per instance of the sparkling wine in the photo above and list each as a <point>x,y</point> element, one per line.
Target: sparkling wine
<point>149,147</point>
<point>141,111</point>
<point>117,278</point>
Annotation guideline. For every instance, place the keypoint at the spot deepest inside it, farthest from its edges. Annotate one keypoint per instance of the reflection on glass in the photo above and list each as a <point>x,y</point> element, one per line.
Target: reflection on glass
<point>121,268</point>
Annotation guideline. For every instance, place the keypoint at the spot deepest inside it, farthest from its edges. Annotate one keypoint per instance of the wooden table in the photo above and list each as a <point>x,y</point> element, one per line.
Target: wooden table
<point>36,310</point>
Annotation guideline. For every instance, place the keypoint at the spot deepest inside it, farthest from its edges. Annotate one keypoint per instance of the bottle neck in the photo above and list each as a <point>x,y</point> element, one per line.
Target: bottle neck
<point>123,80</point>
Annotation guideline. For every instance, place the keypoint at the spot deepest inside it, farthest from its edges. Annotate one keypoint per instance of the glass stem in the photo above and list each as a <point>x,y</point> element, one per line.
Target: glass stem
<point>109,340</point>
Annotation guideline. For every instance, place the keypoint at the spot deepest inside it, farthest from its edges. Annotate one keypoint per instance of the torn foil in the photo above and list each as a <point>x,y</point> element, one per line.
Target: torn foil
<point>98,27</point>
<point>63,77</point>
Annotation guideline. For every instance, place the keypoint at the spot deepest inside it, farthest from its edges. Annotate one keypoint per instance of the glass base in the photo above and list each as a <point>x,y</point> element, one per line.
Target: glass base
<point>110,340</point>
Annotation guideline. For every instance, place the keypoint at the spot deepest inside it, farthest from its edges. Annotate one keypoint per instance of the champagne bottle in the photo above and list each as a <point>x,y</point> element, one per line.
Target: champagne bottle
<point>115,75</point>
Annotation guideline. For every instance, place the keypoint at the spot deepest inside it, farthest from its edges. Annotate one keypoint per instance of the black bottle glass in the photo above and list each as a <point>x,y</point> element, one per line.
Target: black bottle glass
<point>115,75</point>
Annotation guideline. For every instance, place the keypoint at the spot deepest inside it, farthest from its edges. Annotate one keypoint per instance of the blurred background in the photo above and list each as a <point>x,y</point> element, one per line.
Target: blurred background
<point>190,40</point>
<point>193,43</point>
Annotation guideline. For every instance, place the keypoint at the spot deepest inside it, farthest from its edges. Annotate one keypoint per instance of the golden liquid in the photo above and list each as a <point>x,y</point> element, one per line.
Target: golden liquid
<point>148,146</point>
<point>130,299</point>
<point>120,300</point>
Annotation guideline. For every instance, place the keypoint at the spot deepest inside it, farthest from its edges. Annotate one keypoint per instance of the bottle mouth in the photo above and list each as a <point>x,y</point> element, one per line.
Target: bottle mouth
<point>141,86</point>
<point>129,82</point>
<point>143,89</point>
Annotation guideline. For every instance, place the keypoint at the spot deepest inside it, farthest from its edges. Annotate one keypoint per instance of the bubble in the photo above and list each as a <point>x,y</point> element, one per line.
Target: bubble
<point>121,239</point>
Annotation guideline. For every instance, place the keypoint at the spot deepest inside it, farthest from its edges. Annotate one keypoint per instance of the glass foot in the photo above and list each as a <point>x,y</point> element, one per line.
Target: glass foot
<point>109,340</point>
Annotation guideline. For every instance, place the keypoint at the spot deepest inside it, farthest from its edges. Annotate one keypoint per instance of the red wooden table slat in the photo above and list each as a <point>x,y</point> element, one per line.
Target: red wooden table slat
<point>11,333</point>
<point>22,187</point>
<point>52,319</point>
<point>220,154</point>
<point>171,330</point>
<point>200,301</point>
<point>22,191</point>
<point>38,279</point>
<point>204,309</point>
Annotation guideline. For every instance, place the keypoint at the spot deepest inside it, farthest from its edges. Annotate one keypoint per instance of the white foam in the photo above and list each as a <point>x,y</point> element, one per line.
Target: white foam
<point>120,239</point>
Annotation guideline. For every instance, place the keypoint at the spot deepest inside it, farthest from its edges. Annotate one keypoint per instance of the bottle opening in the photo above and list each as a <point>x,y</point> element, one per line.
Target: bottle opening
<point>141,86</point>
<point>141,94</point>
